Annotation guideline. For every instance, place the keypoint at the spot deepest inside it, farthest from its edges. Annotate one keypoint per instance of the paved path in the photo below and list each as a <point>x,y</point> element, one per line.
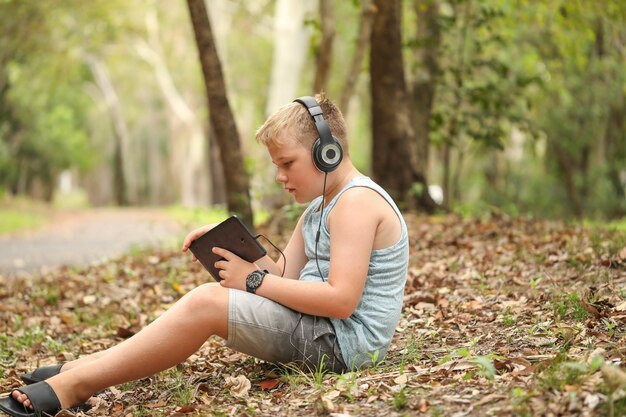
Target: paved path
<point>86,236</point>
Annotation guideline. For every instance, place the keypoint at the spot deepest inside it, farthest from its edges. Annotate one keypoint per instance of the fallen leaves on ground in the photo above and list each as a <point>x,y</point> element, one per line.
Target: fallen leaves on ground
<point>501,316</point>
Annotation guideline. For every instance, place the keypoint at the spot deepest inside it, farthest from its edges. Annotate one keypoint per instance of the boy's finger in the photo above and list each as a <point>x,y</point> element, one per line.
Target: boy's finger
<point>223,253</point>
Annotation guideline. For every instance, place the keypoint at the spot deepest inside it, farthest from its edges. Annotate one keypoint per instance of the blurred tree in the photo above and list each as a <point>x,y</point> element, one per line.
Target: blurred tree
<point>426,49</point>
<point>291,41</point>
<point>583,47</point>
<point>362,42</point>
<point>480,88</point>
<point>37,71</point>
<point>222,120</point>
<point>394,156</point>
<point>120,128</point>
<point>325,50</point>
<point>189,155</point>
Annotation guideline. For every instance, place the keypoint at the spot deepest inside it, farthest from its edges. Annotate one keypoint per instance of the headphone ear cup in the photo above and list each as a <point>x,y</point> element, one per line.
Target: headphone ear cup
<point>327,157</point>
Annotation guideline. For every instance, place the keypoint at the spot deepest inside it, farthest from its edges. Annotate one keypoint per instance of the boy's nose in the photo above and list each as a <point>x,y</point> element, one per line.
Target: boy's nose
<point>280,177</point>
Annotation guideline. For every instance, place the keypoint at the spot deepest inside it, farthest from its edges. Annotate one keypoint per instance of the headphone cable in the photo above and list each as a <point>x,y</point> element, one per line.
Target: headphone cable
<point>279,251</point>
<point>319,227</point>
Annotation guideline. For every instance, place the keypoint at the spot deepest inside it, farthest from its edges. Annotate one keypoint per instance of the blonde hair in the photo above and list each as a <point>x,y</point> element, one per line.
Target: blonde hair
<point>296,120</point>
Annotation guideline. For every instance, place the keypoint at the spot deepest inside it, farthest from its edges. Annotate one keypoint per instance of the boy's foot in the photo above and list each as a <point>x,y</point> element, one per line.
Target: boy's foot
<point>42,373</point>
<point>32,400</point>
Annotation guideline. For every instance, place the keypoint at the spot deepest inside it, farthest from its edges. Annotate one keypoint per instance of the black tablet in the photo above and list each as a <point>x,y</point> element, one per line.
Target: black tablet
<point>232,235</point>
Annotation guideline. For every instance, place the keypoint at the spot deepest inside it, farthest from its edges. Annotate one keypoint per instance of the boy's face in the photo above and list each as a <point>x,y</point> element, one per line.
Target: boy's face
<point>295,169</point>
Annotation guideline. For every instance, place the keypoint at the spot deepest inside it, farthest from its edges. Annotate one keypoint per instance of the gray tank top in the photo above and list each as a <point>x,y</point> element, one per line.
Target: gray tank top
<point>364,337</point>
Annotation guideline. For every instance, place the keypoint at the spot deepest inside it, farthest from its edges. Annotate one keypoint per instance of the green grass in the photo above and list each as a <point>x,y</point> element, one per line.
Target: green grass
<point>618,225</point>
<point>198,216</point>
<point>562,372</point>
<point>569,306</point>
<point>72,200</point>
<point>13,220</point>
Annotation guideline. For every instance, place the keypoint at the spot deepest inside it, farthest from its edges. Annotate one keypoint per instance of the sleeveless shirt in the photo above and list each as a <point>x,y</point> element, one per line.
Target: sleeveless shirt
<point>364,337</point>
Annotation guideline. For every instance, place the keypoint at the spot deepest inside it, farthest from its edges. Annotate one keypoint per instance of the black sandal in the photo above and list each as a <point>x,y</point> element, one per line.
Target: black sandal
<point>42,398</point>
<point>41,374</point>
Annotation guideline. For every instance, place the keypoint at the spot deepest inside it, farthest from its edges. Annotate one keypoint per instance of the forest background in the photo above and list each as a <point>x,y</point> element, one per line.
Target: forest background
<point>509,113</point>
<point>515,105</point>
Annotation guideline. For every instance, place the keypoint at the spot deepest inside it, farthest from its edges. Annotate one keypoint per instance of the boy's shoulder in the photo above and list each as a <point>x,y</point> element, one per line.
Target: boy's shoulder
<point>363,198</point>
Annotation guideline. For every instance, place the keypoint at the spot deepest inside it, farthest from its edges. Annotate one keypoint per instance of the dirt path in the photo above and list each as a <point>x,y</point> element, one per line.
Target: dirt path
<point>84,237</point>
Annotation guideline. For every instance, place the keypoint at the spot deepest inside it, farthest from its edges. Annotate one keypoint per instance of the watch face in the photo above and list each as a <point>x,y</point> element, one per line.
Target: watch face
<point>254,280</point>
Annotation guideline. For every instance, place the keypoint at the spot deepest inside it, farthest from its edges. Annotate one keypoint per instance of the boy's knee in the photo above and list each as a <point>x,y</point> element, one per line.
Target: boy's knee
<point>207,298</point>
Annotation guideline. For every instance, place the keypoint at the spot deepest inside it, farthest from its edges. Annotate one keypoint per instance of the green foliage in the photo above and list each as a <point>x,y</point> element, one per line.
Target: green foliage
<point>480,93</point>
<point>561,372</point>
<point>400,399</point>
<point>530,96</point>
<point>508,319</point>
<point>603,245</point>
<point>42,113</point>
<point>484,365</point>
<point>569,306</point>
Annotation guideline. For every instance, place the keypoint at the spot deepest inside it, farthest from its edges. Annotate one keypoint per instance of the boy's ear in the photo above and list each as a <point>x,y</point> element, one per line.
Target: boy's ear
<point>327,157</point>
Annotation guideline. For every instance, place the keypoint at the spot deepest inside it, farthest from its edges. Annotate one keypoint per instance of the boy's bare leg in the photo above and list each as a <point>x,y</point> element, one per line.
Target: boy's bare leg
<point>165,342</point>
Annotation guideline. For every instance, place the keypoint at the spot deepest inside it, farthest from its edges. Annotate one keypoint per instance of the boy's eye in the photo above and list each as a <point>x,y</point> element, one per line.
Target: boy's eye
<point>287,164</point>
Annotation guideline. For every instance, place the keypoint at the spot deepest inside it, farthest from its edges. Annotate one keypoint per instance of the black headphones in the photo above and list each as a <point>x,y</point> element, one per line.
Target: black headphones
<point>327,151</point>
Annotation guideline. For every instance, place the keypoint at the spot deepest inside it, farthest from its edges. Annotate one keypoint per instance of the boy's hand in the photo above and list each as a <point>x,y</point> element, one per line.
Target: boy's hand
<point>193,235</point>
<point>233,269</point>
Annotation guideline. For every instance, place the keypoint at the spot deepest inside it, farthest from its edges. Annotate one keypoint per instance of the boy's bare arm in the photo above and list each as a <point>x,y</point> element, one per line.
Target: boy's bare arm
<point>294,252</point>
<point>353,223</point>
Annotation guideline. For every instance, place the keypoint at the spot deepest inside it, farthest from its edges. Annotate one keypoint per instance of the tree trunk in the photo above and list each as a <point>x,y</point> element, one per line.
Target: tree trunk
<point>120,129</point>
<point>352,76</point>
<point>290,50</point>
<point>456,124</point>
<point>568,171</point>
<point>458,172</point>
<point>223,122</point>
<point>291,43</point>
<point>429,35</point>
<point>615,151</point>
<point>190,164</point>
<point>394,158</point>
<point>446,175</point>
<point>325,51</point>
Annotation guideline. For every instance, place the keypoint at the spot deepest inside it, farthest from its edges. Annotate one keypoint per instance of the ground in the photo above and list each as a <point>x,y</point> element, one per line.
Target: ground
<point>501,317</point>
<point>81,237</point>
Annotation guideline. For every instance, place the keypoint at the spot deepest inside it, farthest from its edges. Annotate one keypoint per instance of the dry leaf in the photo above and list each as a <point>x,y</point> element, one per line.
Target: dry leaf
<point>327,403</point>
<point>239,386</point>
<point>156,405</point>
<point>89,299</point>
<point>401,380</point>
<point>65,413</point>
<point>124,333</point>
<point>268,384</point>
<point>613,376</point>
<point>332,394</point>
<point>186,409</point>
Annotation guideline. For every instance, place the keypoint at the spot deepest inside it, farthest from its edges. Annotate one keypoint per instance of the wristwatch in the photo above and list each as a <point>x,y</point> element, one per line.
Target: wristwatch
<point>254,280</point>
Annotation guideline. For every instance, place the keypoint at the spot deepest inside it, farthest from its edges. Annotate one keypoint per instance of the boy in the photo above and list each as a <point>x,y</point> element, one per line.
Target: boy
<point>340,314</point>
